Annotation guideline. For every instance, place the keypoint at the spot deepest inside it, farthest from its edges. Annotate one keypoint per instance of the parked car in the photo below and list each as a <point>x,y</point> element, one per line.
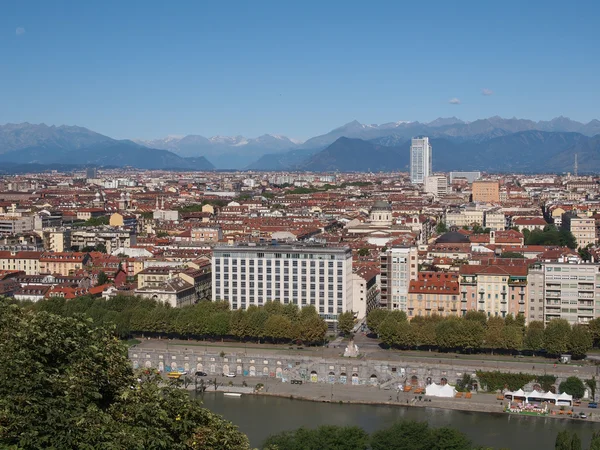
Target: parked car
<point>582,415</point>
<point>592,405</point>
<point>296,381</point>
<point>229,375</point>
<point>199,373</point>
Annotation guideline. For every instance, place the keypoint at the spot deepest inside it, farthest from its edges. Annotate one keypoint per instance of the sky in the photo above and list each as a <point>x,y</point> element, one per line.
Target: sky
<point>147,69</point>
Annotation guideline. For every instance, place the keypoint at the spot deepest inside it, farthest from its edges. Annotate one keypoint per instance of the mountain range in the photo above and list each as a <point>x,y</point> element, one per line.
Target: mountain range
<point>493,144</point>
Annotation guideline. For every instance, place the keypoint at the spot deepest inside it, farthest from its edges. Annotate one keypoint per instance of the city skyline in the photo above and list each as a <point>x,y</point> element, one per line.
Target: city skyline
<point>237,70</point>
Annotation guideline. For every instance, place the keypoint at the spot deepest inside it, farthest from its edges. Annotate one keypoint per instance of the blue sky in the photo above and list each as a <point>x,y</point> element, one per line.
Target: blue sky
<point>146,69</point>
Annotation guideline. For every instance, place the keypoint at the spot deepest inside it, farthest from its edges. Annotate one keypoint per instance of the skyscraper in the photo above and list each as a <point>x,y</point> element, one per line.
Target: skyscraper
<point>420,159</point>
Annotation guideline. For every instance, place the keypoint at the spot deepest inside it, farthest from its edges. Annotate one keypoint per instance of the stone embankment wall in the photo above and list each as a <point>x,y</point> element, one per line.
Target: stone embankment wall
<point>350,371</point>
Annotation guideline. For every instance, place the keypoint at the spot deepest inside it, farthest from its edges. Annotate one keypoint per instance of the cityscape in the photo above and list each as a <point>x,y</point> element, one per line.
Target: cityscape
<point>286,226</point>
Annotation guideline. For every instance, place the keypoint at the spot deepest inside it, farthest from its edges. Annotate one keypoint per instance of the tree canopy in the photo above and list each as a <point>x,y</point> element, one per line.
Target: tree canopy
<point>66,384</point>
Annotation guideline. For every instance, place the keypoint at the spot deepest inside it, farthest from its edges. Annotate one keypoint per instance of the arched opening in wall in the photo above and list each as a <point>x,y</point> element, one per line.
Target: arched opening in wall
<point>428,381</point>
<point>199,367</point>
<point>537,387</point>
<point>225,368</point>
<point>239,370</point>
<point>373,379</point>
<point>279,372</point>
<point>252,371</point>
<point>444,381</point>
<point>414,380</point>
<point>331,377</point>
<point>161,366</point>
<point>186,367</point>
<point>314,377</point>
<point>343,378</point>
<point>136,364</point>
<point>148,364</point>
<point>155,297</point>
<point>474,386</point>
<point>173,365</point>
<point>266,371</point>
<point>355,380</point>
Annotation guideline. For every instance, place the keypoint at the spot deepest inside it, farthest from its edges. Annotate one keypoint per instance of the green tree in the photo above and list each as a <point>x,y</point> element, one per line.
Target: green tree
<point>345,322</point>
<point>363,251</point>
<point>441,228</point>
<point>278,328</point>
<point>102,278</point>
<point>324,437</point>
<point>556,336</point>
<point>534,336</point>
<point>494,335</point>
<point>447,438</point>
<point>516,255</point>
<point>407,435</point>
<point>595,442</point>
<point>594,329</point>
<point>375,317</point>
<point>66,384</point>
<point>477,316</point>
<point>572,386</point>
<point>591,384</point>
<point>580,341</point>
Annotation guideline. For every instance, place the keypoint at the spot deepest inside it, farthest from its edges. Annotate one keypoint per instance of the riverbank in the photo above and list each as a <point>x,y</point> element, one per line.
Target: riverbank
<point>371,395</point>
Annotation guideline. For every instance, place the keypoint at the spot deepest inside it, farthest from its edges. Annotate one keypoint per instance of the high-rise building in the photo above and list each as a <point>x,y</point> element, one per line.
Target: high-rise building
<point>304,275</point>
<point>486,191</point>
<point>436,185</point>
<point>420,160</point>
<point>399,265</point>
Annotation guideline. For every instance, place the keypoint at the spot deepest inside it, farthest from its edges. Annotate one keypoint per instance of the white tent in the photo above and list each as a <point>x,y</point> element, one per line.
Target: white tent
<point>435,390</point>
<point>519,393</point>
<point>564,399</point>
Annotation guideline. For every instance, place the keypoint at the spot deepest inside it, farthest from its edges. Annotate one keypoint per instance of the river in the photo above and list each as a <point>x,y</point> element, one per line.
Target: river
<point>259,416</point>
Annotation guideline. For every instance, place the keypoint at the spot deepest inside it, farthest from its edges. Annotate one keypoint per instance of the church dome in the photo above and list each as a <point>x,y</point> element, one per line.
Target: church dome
<point>452,237</point>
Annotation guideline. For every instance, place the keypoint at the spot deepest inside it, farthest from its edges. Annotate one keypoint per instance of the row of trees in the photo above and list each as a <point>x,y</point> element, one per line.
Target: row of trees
<point>477,332</point>
<point>550,235</point>
<point>570,440</point>
<point>135,316</point>
<point>406,435</point>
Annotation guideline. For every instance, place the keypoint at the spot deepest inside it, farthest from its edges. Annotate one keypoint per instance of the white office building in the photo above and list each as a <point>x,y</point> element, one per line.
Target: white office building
<point>420,160</point>
<point>437,185</point>
<point>399,265</point>
<point>315,275</point>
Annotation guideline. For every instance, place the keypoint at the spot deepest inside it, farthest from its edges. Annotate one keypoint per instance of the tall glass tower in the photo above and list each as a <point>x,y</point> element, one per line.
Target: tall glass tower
<point>420,160</point>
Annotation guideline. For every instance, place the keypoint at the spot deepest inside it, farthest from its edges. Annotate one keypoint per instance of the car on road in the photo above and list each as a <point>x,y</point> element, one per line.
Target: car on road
<point>199,373</point>
<point>229,375</point>
<point>592,405</point>
<point>582,415</point>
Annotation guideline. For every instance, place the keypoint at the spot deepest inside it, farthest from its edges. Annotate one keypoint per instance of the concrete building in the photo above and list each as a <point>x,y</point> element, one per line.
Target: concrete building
<point>434,293</point>
<point>535,283</point>
<point>582,228</point>
<point>57,240</point>
<point>365,292</point>
<point>571,292</point>
<point>437,185</point>
<point>495,220</point>
<point>206,234</point>
<point>420,160</point>
<point>469,176</point>
<point>110,238</point>
<point>155,276</point>
<point>466,217</point>
<point>399,265</point>
<point>486,191</point>
<point>16,224</point>
<point>315,275</point>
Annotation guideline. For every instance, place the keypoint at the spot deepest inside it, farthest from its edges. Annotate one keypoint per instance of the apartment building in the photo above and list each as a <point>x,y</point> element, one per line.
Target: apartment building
<point>497,290</point>
<point>486,191</point>
<point>365,291</point>
<point>437,185</point>
<point>16,224</point>
<point>206,234</point>
<point>571,291</point>
<point>582,228</point>
<point>62,263</point>
<point>399,265</point>
<point>535,283</point>
<point>156,275</point>
<point>434,293</point>
<point>57,240</point>
<point>28,262</point>
<point>465,217</point>
<point>315,275</point>
<point>112,239</point>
